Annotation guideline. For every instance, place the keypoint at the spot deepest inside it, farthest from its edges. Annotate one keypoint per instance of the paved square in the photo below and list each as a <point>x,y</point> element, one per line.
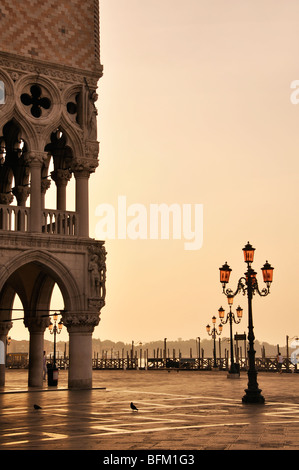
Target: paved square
<point>184,410</point>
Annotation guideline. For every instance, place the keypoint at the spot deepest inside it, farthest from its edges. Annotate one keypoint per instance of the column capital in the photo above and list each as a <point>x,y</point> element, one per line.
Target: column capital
<point>6,198</point>
<point>37,324</point>
<point>80,322</point>
<point>21,193</point>
<point>45,184</point>
<point>5,326</point>
<point>61,176</point>
<point>35,158</point>
<point>83,167</point>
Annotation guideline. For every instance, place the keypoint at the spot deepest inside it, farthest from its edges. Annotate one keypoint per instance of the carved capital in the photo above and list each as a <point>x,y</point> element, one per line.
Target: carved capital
<point>80,322</point>
<point>37,324</point>
<point>45,184</point>
<point>61,177</point>
<point>21,193</point>
<point>35,158</point>
<point>6,198</point>
<point>84,166</point>
<point>5,326</point>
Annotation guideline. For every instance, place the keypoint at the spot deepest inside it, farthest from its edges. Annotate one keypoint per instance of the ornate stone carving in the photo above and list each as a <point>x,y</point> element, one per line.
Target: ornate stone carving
<point>60,73</point>
<point>84,165</point>
<point>21,193</point>
<point>35,101</point>
<point>97,277</point>
<point>91,149</point>
<point>5,326</point>
<point>37,324</point>
<point>84,322</point>
<point>6,198</point>
<point>95,305</point>
<point>35,158</point>
<point>45,184</point>
<point>61,177</point>
<point>92,116</point>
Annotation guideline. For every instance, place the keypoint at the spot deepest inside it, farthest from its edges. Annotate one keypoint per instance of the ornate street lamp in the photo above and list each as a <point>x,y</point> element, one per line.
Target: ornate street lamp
<point>54,331</point>
<point>249,285</point>
<point>213,333</point>
<point>233,372</point>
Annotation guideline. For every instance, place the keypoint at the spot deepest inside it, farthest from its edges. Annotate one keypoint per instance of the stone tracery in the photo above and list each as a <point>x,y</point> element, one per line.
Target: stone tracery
<point>49,113</point>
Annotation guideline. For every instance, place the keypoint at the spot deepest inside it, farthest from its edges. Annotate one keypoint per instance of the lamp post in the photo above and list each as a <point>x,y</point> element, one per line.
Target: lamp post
<point>54,330</point>
<point>233,372</point>
<point>213,333</point>
<point>249,285</point>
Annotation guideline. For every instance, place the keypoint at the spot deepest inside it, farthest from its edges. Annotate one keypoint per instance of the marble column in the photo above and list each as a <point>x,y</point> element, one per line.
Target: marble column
<point>36,328</point>
<point>21,193</point>
<point>82,201</point>
<point>61,178</point>
<point>45,184</point>
<point>4,329</point>
<point>80,327</point>
<point>35,161</point>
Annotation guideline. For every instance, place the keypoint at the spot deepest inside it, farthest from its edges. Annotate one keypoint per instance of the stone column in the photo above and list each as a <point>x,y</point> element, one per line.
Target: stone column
<point>45,184</point>
<point>21,193</point>
<point>4,329</point>
<point>82,201</point>
<point>35,161</point>
<point>36,328</point>
<point>80,327</point>
<point>61,178</point>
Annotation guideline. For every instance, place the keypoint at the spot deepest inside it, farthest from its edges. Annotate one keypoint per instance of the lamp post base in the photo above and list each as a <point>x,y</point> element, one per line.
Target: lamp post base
<point>253,396</point>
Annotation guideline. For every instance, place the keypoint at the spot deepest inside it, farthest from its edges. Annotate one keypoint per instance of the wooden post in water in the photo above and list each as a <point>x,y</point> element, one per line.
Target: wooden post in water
<point>287,353</point>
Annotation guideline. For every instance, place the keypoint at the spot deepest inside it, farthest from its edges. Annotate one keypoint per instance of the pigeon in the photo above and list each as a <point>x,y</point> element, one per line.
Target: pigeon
<point>133,407</point>
<point>37,407</point>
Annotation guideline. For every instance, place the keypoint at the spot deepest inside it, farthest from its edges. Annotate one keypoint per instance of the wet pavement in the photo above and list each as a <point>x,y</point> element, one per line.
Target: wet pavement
<point>178,411</point>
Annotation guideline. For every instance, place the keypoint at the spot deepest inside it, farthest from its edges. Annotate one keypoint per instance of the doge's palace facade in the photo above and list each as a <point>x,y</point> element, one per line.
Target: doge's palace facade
<point>50,67</point>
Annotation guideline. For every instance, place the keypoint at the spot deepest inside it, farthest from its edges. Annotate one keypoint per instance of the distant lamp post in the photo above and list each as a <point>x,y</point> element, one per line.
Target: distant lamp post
<point>233,372</point>
<point>249,285</point>
<point>55,330</point>
<point>214,333</point>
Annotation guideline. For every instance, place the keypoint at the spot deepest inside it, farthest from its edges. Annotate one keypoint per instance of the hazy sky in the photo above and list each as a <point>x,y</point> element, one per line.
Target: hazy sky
<point>195,108</point>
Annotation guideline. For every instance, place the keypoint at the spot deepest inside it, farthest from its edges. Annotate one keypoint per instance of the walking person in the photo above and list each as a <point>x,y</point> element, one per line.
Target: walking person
<point>44,366</point>
<point>279,362</point>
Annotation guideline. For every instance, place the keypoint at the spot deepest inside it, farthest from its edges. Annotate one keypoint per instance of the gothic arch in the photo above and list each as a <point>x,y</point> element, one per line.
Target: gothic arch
<point>49,270</point>
<point>72,133</point>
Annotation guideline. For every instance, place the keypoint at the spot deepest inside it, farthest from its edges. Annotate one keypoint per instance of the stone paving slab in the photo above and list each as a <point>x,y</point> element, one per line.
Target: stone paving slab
<point>177,411</point>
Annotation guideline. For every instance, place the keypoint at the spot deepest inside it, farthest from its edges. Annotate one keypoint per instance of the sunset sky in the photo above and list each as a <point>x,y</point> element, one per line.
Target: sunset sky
<point>195,108</point>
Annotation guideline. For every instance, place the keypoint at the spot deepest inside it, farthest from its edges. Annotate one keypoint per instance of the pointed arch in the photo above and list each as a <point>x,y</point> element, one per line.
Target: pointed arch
<point>48,271</point>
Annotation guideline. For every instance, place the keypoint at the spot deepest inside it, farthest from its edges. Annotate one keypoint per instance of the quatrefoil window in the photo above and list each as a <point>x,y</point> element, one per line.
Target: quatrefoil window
<point>36,101</point>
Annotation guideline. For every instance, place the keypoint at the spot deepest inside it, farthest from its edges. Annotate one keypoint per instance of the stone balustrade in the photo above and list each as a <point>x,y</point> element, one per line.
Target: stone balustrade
<point>14,218</point>
<point>17,219</point>
<point>60,222</point>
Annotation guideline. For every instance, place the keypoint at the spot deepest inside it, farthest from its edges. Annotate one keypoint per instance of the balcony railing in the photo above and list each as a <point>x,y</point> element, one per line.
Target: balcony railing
<point>17,219</point>
<point>60,222</point>
<point>14,218</point>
